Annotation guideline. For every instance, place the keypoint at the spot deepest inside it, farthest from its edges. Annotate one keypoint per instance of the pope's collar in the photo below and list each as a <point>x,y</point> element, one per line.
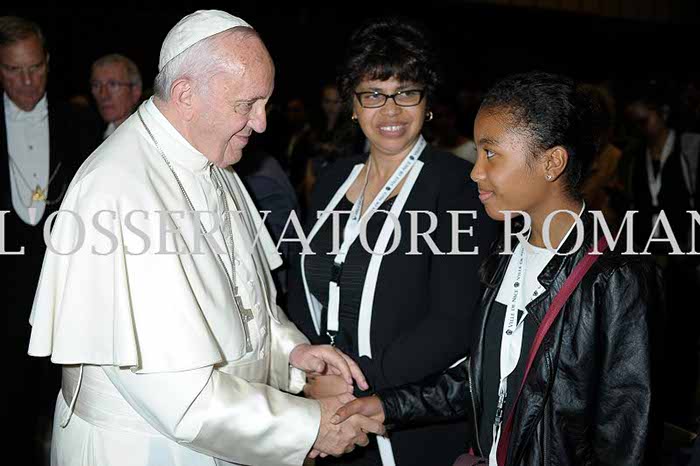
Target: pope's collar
<point>174,144</point>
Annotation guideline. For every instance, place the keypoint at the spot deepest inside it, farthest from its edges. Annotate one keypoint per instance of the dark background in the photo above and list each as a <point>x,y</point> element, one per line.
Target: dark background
<point>621,43</point>
<point>617,41</point>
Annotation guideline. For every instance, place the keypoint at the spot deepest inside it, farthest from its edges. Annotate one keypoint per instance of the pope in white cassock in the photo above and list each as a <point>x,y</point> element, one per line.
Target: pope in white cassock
<point>173,350</point>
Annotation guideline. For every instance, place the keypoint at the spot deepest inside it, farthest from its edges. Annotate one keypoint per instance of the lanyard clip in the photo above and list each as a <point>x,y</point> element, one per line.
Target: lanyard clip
<point>500,407</point>
<point>336,272</point>
<point>499,417</point>
<point>331,334</point>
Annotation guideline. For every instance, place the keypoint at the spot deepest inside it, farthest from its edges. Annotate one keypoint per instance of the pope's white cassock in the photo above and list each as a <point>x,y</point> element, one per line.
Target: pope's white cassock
<point>159,366</point>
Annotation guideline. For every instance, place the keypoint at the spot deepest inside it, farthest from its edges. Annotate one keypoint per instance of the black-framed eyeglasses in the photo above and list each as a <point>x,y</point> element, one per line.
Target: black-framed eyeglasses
<point>111,85</point>
<point>407,98</point>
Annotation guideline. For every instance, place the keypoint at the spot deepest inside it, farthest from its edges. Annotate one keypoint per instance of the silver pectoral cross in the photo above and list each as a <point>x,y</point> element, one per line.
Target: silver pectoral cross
<point>247,317</point>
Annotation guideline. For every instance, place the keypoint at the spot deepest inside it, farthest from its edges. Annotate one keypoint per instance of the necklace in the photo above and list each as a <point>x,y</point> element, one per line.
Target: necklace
<point>361,198</point>
<point>245,314</point>
<point>38,194</point>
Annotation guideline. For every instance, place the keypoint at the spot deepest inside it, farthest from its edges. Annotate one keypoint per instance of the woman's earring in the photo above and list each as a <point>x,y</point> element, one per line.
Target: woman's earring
<point>354,118</point>
<point>429,116</point>
<point>549,177</point>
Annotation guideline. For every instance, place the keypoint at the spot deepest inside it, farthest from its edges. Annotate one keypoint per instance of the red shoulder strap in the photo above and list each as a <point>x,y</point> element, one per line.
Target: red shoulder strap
<point>557,304</point>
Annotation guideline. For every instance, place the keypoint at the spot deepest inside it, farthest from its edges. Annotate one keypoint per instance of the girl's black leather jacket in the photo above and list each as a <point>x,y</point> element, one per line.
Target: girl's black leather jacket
<point>588,398</point>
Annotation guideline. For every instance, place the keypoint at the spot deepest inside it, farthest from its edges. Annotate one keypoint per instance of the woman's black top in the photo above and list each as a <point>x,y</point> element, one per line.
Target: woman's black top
<point>352,278</point>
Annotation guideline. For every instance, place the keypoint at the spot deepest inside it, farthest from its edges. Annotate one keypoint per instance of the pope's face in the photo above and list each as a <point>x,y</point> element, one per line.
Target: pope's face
<point>232,104</point>
<point>24,71</point>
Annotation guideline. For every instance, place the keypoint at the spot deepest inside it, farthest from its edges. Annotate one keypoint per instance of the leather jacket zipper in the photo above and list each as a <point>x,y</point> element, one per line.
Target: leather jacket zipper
<point>546,443</point>
<point>545,425</point>
<point>540,416</point>
<point>471,393</point>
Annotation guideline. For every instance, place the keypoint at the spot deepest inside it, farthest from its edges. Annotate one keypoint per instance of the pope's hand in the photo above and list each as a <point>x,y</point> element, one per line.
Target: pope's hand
<point>337,439</point>
<point>325,359</point>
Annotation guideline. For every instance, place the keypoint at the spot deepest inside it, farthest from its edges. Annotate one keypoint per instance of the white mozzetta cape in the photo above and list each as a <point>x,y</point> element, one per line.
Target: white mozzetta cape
<point>153,312</point>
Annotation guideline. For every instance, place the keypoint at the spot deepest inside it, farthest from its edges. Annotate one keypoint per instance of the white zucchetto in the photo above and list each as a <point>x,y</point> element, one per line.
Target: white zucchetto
<point>193,28</point>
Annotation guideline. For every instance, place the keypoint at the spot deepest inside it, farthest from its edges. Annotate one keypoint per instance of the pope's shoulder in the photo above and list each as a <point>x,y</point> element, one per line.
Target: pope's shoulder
<point>124,160</point>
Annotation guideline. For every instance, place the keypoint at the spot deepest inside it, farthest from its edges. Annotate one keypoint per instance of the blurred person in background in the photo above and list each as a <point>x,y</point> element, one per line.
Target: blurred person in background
<point>603,187</point>
<point>333,136</point>
<point>663,177</point>
<point>447,135</point>
<point>115,82</point>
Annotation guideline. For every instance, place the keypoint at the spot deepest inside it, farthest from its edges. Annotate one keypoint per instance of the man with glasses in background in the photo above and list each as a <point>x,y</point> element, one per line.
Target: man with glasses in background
<point>115,83</point>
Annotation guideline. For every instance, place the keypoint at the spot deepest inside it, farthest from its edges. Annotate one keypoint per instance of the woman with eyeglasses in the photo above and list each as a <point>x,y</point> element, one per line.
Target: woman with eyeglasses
<point>399,304</point>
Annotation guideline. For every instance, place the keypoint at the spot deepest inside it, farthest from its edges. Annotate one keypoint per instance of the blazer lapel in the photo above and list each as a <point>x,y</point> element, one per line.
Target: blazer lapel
<point>58,167</point>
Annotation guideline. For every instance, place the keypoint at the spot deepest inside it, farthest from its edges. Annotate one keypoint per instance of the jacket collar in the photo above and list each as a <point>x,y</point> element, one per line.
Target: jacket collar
<point>496,263</point>
<point>176,147</point>
<point>568,250</point>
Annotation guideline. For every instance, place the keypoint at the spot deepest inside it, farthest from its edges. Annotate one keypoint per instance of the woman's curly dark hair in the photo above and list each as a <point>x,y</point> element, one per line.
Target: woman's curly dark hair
<point>551,111</point>
<point>388,48</point>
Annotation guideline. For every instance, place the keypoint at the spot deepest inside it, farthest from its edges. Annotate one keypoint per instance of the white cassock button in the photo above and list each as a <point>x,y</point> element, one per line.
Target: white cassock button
<point>250,284</point>
<point>238,262</point>
<point>263,331</point>
<point>262,352</point>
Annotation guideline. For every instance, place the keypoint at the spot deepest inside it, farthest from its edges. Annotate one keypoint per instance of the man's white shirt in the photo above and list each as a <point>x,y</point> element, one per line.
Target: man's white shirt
<point>28,147</point>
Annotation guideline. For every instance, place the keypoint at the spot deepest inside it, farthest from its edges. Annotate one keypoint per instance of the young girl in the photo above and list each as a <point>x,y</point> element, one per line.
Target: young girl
<point>587,398</point>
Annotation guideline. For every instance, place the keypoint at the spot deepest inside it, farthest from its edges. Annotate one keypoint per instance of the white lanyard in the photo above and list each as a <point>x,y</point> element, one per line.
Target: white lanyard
<point>655,180</point>
<point>512,339</point>
<point>353,226</point>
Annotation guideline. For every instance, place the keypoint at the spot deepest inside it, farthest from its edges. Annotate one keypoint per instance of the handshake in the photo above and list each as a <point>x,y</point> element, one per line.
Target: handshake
<point>345,420</point>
